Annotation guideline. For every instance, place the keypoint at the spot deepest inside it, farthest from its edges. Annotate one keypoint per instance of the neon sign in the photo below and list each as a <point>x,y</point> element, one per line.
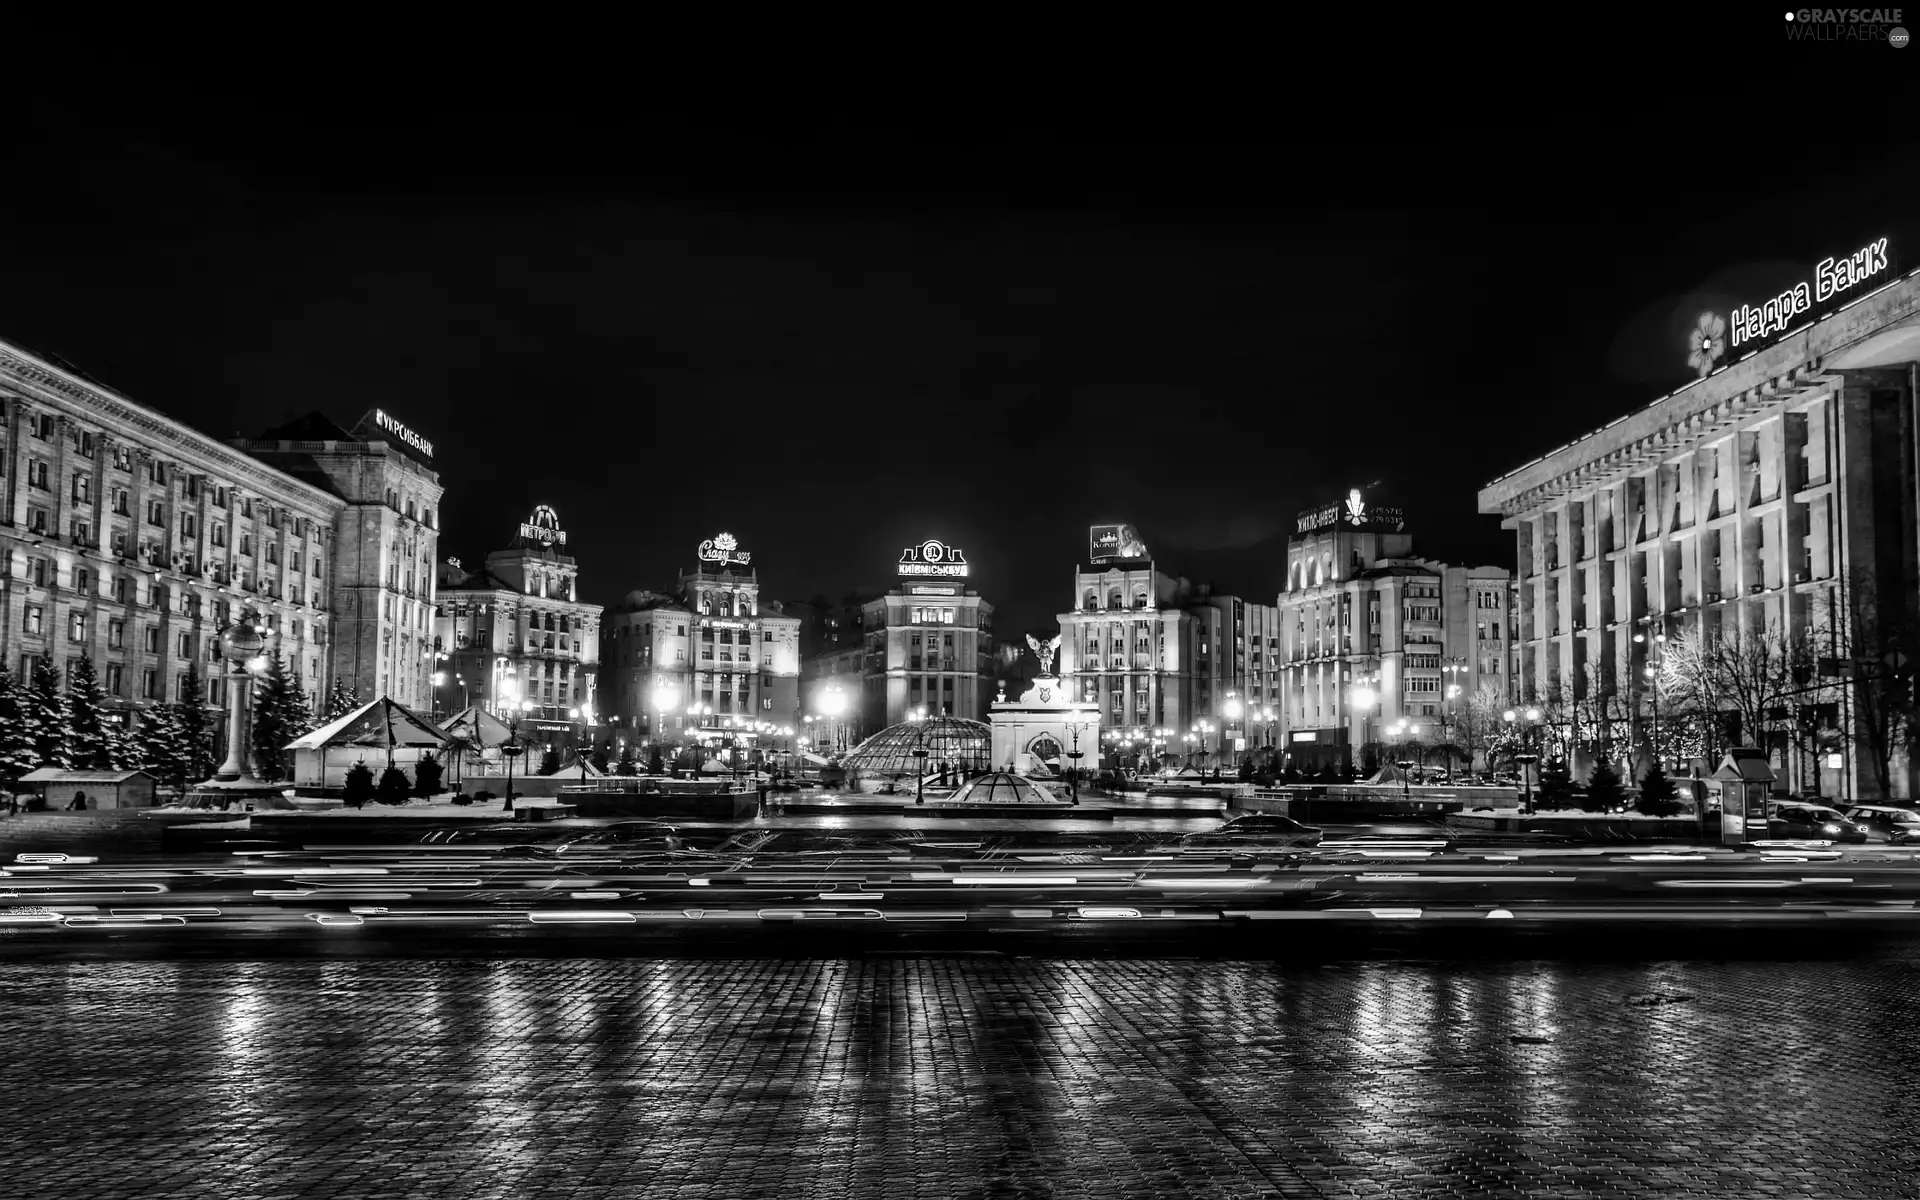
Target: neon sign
<point>722,549</point>
<point>543,527</point>
<point>407,436</point>
<point>933,558</point>
<point>1354,513</point>
<point>922,589</point>
<point>1832,277</point>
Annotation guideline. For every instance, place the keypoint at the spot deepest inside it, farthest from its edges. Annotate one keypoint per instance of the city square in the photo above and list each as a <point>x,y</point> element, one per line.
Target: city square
<point>1357,640</point>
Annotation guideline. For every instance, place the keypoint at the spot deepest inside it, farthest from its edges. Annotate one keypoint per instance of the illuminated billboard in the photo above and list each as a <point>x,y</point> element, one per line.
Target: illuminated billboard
<point>1107,542</point>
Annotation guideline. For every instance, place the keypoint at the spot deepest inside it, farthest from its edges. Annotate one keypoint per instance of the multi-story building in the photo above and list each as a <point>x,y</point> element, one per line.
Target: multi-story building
<point>1371,636</point>
<point>1771,498</point>
<point>929,643</point>
<point>387,539</point>
<point>1156,651</point>
<point>715,646</point>
<point>829,625</point>
<point>516,631</point>
<point>132,540</point>
<point>1249,673</point>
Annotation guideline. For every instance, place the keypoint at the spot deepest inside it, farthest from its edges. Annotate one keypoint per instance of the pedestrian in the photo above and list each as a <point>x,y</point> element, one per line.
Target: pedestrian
<point>79,803</point>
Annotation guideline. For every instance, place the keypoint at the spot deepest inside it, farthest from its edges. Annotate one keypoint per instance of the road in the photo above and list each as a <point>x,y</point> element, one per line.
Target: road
<point>932,889</point>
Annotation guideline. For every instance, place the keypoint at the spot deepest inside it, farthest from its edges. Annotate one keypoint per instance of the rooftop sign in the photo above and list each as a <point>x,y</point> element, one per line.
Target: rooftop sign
<point>932,558</point>
<point>926,589</point>
<point>1107,542</point>
<point>722,549</point>
<point>407,436</point>
<point>1354,514</point>
<point>543,527</point>
<point>1833,283</point>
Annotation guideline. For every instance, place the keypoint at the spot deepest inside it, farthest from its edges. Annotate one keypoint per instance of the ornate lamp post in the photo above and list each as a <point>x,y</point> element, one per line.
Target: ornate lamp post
<point>833,703</point>
<point>1364,697</point>
<point>1073,783</point>
<point>241,646</point>
<point>1529,732</point>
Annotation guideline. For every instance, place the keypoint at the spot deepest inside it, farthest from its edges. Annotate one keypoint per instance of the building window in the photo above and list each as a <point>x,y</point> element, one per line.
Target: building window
<point>153,639</point>
<point>82,489</point>
<point>76,627</point>
<point>37,474</point>
<point>33,618</point>
<point>149,684</point>
<point>116,634</point>
<point>114,671</point>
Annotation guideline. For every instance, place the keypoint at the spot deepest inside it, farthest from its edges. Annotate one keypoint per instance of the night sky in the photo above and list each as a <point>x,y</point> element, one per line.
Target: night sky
<point>835,339</point>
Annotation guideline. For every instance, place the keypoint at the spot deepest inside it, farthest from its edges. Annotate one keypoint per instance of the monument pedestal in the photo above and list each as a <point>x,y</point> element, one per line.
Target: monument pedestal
<point>229,794</point>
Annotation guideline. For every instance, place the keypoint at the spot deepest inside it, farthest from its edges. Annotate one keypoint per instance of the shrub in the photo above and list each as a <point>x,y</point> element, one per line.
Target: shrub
<point>359,784</point>
<point>394,787</point>
<point>550,763</point>
<point>426,775</point>
<point>483,795</point>
<point>1556,787</point>
<point>626,765</point>
<point>463,801</point>
<point>655,764</point>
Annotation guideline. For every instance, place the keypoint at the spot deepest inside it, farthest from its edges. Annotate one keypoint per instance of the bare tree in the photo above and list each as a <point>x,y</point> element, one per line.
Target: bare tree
<point>1757,676</point>
<point>1884,717</point>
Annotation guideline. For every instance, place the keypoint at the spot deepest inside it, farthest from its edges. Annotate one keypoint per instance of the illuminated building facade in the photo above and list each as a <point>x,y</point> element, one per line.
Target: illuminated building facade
<point>1371,635</point>
<point>1774,493</point>
<point>516,631</point>
<point>929,642</point>
<point>132,540</point>
<point>1155,651</point>
<point>386,541</point>
<point>714,657</point>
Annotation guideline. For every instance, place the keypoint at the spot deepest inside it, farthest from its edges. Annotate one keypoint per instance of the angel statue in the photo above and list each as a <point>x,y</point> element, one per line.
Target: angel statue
<point>1044,651</point>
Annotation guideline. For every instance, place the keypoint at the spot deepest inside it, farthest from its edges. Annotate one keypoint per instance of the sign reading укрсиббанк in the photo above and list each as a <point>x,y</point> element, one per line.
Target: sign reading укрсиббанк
<point>1831,280</point>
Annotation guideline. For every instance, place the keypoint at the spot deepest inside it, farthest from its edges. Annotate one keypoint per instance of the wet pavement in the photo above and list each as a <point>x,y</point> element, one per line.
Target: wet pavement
<point>979,1076</point>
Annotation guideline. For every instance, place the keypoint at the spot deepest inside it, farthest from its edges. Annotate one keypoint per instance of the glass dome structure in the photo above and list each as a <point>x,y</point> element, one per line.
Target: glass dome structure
<point>963,746</point>
<point>1000,787</point>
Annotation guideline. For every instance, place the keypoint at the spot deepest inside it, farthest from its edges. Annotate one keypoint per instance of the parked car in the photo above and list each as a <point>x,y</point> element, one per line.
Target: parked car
<point>1891,822</point>
<point>1264,823</point>
<point>1255,831</point>
<point>1812,821</point>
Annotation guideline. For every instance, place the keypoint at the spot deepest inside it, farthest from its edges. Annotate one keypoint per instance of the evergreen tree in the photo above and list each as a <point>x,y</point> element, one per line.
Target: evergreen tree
<point>17,753</point>
<point>193,761</point>
<point>426,775</point>
<point>550,763</point>
<point>160,745</point>
<point>49,719</point>
<point>359,784</point>
<point>278,710</point>
<point>626,765</point>
<point>341,700</point>
<point>394,788</point>
<point>655,764</point>
<point>1604,793</point>
<point>93,745</point>
<point>1556,787</point>
<point>1657,795</point>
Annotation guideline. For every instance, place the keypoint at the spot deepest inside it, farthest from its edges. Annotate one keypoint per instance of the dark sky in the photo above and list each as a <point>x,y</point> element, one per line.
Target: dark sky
<point>836,337</point>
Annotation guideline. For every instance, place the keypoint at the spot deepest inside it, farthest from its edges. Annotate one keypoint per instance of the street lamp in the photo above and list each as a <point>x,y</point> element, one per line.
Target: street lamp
<point>1365,696</point>
<point>1231,710</point>
<point>517,711</point>
<point>696,736</point>
<point>1655,655</point>
<point>919,718</point>
<point>833,702</point>
<point>1073,780</point>
<point>1528,732</point>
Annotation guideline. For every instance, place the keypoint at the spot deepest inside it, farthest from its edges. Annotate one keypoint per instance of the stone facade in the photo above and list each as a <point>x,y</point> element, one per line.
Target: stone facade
<point>1776,493</point>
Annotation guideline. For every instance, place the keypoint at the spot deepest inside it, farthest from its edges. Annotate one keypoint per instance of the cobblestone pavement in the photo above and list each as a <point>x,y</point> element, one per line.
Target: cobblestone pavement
<point>959,1077</point>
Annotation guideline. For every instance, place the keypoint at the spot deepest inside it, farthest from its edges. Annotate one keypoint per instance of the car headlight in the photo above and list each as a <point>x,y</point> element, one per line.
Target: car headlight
<point>1830,829</point>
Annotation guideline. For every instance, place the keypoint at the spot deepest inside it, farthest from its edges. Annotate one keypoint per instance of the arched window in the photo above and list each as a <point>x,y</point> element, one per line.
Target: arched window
<point>1113,598</point>
<point>1044,748</point>
<point>1140,598</point>
<point>1091,601</point>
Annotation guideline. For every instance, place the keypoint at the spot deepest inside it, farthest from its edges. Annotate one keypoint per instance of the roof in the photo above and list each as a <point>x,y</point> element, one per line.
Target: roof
<point>956,741</point>
<point>379,723</point>
<point>56,775</point>
<point>1745,763</point>
<point>477,727</point>
<point>1000,787</point>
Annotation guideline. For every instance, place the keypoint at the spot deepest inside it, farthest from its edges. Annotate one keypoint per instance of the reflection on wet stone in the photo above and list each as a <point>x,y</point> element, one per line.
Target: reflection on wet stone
<point>960,1077</point>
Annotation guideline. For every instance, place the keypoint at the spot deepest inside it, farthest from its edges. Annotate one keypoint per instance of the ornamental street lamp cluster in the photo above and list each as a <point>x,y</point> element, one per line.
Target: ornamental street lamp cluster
<point>1528,730</point>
